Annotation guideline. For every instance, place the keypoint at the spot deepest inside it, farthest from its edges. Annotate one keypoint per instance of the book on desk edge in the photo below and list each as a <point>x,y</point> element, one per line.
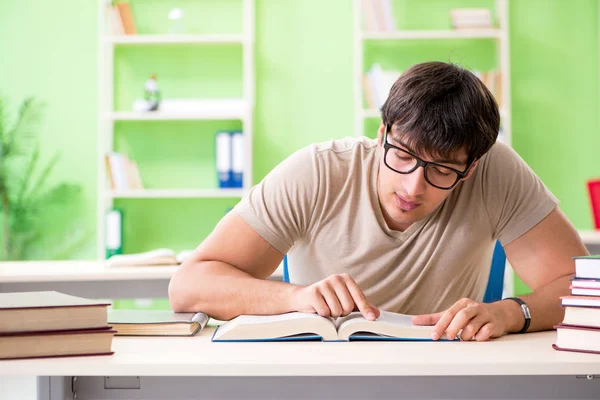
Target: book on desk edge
<point>49,311</point>
<point>577,338</point>
<point>297,326</point>
<point>156,322</point>
<point>58,343</point>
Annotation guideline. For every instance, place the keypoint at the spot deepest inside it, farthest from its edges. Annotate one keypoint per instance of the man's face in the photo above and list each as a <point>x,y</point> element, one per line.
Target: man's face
<point>408,198</point>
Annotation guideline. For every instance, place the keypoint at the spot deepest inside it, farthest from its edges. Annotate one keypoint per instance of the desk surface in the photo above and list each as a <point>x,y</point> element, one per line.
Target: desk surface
<point>529,354</point>
<point>78,271</point>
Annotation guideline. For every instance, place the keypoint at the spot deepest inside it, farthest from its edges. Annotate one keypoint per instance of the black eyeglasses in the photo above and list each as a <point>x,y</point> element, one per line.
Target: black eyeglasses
<point>404,162</point>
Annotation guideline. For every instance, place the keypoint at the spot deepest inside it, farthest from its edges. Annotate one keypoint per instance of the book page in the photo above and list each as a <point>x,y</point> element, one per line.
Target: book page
<point>248,327</point>
<point>388,324</point>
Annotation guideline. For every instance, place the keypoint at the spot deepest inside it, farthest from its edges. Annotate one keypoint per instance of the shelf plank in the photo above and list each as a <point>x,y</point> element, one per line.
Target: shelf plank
<point>375,113</point>
<point>173,116</point>
<point>435,34</point>
<point>590,237</point>
<point>176,39</point>
<point>175,193</point>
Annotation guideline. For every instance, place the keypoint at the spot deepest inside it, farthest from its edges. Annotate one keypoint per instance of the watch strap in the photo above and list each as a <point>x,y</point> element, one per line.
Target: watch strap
<point>524,310</point>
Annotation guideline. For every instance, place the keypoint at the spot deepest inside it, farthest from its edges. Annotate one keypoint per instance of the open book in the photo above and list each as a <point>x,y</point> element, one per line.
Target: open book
<point>153,257</point>
<point>156,322</point>
<point>304,326</point>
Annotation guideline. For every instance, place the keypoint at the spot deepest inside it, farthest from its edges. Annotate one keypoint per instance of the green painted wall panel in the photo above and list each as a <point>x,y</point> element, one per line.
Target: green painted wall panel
<point>304,92</point>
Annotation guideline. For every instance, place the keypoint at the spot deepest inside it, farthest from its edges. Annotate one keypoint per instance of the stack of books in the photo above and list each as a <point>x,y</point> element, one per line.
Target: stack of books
<point>580,328</point>
<point>52,324</point>
<point>471,18</point>
<point>122,172</point>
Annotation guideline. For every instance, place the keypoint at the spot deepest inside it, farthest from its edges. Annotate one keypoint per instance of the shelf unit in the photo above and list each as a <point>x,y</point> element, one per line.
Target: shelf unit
<point>107,44</point>
<point>499,34</point>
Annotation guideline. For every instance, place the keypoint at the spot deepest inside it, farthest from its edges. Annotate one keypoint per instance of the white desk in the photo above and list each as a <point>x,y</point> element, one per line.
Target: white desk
<point>515,366</point>
<point>89,279</point>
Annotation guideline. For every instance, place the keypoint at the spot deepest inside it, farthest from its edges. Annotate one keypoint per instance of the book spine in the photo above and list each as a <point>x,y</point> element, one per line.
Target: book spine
<point>114,232</point>
<point>237,159</point>
<point>223,159</point>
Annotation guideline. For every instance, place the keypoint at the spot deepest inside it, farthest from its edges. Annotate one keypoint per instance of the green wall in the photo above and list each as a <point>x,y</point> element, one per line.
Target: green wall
<point>304,93</point>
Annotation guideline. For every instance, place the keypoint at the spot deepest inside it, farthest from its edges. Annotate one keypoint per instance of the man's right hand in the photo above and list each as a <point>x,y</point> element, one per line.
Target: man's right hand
<point>334,296</point>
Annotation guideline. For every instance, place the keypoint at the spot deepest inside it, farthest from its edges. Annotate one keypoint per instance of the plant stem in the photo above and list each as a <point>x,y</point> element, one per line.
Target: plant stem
<point>6,232</point>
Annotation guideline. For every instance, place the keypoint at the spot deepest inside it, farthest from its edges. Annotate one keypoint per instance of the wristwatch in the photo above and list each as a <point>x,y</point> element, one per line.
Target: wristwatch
<point>524,310</point>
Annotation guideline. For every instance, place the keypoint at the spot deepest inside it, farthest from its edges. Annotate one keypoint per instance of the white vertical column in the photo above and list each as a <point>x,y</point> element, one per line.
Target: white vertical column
<point>358,70</point>
<point>504,60</point>
<point>248,89</point>
<point>105,125</point>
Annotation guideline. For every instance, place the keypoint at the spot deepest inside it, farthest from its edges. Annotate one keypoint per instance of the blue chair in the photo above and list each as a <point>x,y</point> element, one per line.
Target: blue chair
<point>495,285</point>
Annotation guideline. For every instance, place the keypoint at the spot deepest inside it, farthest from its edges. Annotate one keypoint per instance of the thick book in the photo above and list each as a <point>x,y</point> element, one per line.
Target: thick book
<point>582,316</point>
<point>49,311</point>
<point>148,258</point>
<point>81,342</point>
<point>305,326</point>
<point>581,339</point>
<point>587,267</point>
<point>156,322</point>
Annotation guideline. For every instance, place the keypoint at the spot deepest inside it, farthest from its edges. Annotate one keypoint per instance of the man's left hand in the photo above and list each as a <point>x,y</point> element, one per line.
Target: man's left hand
<point>477,321</point>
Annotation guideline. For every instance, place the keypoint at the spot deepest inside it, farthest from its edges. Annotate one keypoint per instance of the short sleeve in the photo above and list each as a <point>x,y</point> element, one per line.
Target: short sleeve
<point>515,198</point>
<point>279,208</point>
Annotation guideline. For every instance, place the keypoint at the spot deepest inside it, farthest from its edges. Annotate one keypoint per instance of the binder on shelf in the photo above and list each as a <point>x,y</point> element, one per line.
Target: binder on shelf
<point>114,232</point>
<point>237,159</point>
<point>223,159</point>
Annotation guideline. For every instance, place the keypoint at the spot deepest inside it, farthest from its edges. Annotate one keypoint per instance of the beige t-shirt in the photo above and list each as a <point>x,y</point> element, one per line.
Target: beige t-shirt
<point>320,206</point>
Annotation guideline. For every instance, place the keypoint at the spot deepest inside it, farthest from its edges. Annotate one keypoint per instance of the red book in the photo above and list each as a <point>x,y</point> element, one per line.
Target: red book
<point>593,186</point>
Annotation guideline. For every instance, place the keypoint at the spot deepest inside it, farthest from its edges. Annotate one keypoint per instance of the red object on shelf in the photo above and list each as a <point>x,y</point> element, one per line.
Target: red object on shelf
<point>593,186</point>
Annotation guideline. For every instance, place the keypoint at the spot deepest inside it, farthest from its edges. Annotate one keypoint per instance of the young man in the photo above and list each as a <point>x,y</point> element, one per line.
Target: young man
<point>405,223</point>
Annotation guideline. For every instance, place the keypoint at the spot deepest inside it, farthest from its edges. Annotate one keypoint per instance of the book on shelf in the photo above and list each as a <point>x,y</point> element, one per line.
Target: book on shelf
<point>471,18</point>
<point>115,23</point>
<point>378,15</point>
<point>122,172</point>
<point>49,311</point>
<point>581,339</point>
<point>230,158</point>
<point>305,326</point>
<point>126,17</point>
<point>156,322</point>
<point>587,267</point>
<point>162,256</point>
<point>377,84</point>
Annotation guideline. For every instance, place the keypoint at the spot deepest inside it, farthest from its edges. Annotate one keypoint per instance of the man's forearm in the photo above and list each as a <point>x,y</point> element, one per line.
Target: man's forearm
<point>224,292</point>
<point>544,305</point>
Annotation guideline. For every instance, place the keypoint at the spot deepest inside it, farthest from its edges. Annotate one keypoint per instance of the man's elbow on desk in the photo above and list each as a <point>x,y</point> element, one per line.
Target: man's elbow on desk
<point>183,291</point>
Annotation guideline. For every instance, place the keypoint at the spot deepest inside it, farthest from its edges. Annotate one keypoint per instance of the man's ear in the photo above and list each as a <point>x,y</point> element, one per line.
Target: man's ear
<point>471,170</point>
<point>380,134</point>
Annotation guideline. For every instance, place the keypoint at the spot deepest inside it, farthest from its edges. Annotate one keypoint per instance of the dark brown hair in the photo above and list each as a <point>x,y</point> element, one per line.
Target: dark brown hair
<point>438,108</point>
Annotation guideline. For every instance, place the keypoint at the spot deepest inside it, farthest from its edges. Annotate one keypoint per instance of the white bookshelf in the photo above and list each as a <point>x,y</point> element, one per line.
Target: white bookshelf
<point>433,34</point>
<point>499,34</point>
<point>225,114</point>
<point>216,109</point>
<point>174,193</point>
<point>175,39</point>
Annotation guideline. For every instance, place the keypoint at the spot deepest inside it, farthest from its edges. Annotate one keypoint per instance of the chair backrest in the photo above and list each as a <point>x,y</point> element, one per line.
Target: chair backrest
<point>495,285</point>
